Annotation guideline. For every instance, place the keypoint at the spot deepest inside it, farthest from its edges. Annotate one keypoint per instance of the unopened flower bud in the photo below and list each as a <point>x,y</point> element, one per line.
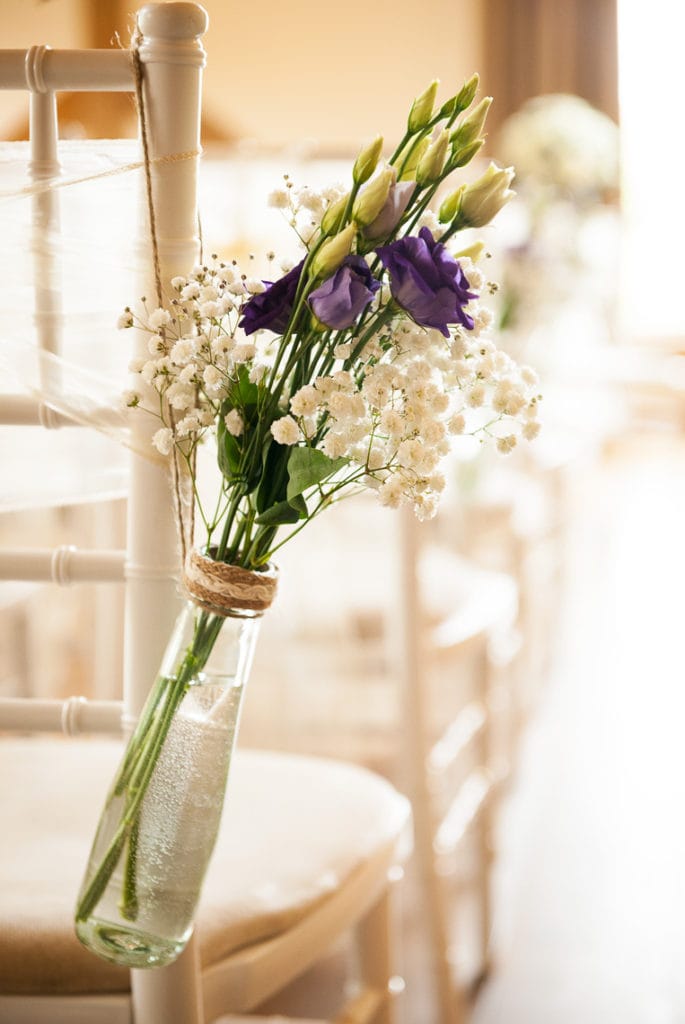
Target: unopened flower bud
<point>331,222</point>
<point>333,252</point>
<point>415,151</point>
<point>471,127</point>
<point>432,162</point>
<point>467,92</point>
<point>422,108</point>
<point>366,162</point>
<point>371,200</point>
<point>450,206</point>
<point>484,198</point>
<point>461,157</point>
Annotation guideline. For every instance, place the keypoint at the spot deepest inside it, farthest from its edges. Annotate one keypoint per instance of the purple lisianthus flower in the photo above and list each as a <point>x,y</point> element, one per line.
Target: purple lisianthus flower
<point>342,297</point>
<point>394,207</point>
<point>427,281</point>
<point>271,309</point>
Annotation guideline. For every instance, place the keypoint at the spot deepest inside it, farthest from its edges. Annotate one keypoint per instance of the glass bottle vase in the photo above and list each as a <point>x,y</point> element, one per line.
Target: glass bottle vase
<point>162,813</point>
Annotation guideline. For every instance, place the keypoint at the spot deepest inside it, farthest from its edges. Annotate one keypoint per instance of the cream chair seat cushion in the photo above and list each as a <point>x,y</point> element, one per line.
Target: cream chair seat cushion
<point>293,830</point>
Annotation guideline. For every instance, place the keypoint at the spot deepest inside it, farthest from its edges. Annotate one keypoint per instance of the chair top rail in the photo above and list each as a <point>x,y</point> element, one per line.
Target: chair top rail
<point>41,69</point>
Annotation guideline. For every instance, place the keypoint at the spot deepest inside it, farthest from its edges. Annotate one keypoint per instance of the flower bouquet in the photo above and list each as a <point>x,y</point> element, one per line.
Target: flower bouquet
<point>354,368</point>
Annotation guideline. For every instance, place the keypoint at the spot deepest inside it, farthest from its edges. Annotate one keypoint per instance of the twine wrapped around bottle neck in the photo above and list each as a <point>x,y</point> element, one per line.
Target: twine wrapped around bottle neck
<point>224,589</point>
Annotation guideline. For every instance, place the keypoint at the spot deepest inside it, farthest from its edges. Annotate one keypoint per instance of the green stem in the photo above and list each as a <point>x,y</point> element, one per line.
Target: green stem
<point>144,752</point>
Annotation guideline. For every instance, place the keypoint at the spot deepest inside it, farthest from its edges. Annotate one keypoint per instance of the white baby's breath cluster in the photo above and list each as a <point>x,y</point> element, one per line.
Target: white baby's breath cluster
<point>303,206</point>
<point>389,407</point>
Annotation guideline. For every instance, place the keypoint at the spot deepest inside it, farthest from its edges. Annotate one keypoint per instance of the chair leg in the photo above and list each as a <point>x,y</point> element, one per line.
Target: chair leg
<point>375,955</point>
<point>169,995</point>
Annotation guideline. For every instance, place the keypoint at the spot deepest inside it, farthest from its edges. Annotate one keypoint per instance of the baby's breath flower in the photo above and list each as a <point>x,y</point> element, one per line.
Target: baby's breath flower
<point>285,430</point>
<point>531,430</point>
<point>305,401</point>
<point>213,379</point>
<point>243,352</point>
<point>177,283</point>
<point>255,286</point>
<point>125,320</point>
<point>163,440</point>
<point>457,424</point>
<point>188,425</point>
<point>506,444</point>
<point>234,423</point>
<point>279,199</point>
<point>159,318</point>
<point>190,291</point>
<point>131,399</point>
<point>343,351</point>
<point>476,396</point>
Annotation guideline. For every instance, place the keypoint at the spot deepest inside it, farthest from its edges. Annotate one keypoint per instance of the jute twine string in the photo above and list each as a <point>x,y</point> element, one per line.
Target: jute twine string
<point>53,184</point>
<point>213,585</point>
<point>219,587</point>
<point>184,504</point>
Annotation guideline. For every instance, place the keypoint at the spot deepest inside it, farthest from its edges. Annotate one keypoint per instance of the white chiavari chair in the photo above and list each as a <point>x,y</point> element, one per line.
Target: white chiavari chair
<point>451,655</point>
<point>308,846</point>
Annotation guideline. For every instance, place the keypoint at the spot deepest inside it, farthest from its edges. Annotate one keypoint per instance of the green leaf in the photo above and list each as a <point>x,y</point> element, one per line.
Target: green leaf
<point>284,512</point>
<point>308,467</point>
<point>243,394</point>
<point>274,475</point>
<point>228,450</point>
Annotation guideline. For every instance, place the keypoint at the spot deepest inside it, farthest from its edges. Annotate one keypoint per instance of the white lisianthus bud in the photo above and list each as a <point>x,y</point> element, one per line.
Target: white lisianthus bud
<point>472,126</point>
<point>333,252</point>
<point>371,199</point>
<point>332,218</point>
<point>366,162</point>
<point>467,92</point>
<point>432,162</point>
<point>484,198</point>
<point>414,153</point>
<point>450,205</point>
<point>422,107</point>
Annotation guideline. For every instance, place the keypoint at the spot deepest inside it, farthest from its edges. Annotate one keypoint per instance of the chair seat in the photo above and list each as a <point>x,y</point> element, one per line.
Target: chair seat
<point>262,880</point>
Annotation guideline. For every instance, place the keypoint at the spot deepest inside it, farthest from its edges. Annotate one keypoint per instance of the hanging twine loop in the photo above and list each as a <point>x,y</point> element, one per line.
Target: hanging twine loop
<point>184,503</point>
<point>223,589</point>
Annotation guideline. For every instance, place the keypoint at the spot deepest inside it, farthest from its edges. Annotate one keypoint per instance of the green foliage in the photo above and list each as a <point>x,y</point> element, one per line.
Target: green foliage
<point>308,467</point>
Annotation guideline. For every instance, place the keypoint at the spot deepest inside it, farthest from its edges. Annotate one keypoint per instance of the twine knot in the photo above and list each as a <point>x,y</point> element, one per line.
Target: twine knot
<point>219,587</point>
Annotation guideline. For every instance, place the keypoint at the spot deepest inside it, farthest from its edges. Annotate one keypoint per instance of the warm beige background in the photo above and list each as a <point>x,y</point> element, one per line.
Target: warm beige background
<point>332,74</point>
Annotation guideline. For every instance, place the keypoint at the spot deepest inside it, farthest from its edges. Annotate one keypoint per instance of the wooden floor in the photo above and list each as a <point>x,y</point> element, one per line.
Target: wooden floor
<point>591,928</point>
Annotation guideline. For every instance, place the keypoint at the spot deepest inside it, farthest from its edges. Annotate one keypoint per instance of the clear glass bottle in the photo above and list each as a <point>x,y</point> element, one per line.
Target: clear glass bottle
<point>161,816</point>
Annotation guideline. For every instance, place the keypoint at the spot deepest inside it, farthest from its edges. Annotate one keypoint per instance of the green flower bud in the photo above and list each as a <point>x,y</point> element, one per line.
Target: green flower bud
<point>466,94</point>
<point>471,127</point>
<point>422,108</point>
<point>450,206</point>
<point>371,200</point>
<point>432,162</point>
<point>366,162</point>
<point>415,151</point>
<point>484,198</point>
<point>462,157</point>
<point>331,222</point>
<point>333,251</point>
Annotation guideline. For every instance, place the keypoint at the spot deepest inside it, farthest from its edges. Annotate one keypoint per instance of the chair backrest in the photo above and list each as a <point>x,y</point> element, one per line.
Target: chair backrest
<point>171,56</point>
